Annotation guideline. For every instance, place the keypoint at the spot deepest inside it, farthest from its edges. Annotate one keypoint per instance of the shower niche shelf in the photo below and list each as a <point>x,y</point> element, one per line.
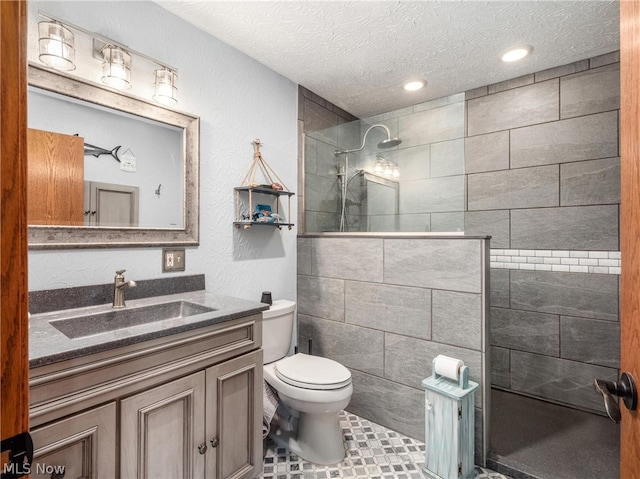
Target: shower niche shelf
<point>246,206</point>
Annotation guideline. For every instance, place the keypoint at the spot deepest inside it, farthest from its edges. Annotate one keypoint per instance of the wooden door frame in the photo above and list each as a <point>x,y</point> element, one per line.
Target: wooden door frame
<point>630,226</point>
<point>14,325</point>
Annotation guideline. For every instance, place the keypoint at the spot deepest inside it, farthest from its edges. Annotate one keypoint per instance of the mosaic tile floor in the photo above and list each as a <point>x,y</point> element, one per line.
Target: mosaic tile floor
<point>373,452</point>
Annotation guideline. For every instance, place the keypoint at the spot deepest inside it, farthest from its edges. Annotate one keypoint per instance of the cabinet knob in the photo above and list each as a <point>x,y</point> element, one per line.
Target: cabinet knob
<point>214,442</point>
<point>202,448</point>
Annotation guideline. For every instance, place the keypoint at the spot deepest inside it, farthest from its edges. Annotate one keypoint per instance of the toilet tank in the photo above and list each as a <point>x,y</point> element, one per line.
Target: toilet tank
<point>277,329</point>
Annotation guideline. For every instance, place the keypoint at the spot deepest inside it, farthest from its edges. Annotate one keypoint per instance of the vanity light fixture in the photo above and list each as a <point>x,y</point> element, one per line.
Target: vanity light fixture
<point>55,46</point>
<point>116,68</point>
<point>57,51</point>
<point>386,167</point>
<point>414,85</point>
<point>516,54</point>
<point>165,87</point>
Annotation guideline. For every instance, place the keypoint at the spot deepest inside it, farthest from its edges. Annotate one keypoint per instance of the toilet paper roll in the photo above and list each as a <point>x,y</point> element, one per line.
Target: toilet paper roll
<point>448,367</point>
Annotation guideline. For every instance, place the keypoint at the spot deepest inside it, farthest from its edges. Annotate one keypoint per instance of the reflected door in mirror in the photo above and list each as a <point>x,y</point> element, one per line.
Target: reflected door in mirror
<point>107,204</point>
<point>55,165</point>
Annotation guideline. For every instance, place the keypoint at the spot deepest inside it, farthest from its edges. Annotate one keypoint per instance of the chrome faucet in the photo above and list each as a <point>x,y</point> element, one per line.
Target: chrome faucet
<point>119,284</point>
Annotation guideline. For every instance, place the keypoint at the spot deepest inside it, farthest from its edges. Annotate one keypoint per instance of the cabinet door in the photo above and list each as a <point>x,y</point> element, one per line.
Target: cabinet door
<point>55,178</point>
<point>161,430</point>
<point>81,446</point>
<point>234,417</point>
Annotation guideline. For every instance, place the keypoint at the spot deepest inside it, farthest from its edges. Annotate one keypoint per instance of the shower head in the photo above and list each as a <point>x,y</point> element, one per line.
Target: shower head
<point>388,143</point>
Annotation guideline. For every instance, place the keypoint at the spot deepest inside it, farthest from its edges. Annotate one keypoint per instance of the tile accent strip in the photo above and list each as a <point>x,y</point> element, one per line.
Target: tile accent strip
<point>602,262</point>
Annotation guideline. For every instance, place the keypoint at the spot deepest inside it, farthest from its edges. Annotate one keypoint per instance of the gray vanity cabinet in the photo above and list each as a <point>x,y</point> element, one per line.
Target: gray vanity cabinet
<point>80,446</point>
<point>234,418</point>
<point>188,405</point>
<point>161,430</point>
<point>205,425</point>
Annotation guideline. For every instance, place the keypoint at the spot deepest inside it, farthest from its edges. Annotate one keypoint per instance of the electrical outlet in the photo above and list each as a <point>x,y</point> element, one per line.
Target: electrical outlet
<point>173,260</point>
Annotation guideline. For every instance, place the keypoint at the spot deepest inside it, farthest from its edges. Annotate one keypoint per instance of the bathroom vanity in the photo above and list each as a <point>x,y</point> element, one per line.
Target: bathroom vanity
<point>177,396</point>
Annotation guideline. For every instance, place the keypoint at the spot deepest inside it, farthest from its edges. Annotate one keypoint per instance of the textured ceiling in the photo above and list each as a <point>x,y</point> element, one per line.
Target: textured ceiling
<point>357,54</point>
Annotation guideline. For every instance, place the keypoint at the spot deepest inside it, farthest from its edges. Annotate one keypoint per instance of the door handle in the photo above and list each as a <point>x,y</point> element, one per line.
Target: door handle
<point>625,389</point>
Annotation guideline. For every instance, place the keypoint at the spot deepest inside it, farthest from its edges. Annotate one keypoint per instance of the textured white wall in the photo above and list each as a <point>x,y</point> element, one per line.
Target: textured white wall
<point>237,99</point>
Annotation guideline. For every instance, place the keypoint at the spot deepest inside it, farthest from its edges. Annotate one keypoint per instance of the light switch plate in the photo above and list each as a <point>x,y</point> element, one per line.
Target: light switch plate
<point>173,260</point>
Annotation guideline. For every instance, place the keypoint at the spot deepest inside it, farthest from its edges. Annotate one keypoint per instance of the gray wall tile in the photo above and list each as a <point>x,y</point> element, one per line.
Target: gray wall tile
<point>561,380</point>
<point>310,145</point>
<point>389,404</point>
<point>447,158</point>
<point>414,222</point>
<point>399,309</point>
<point>606,59</point>
<point>383,223</point>
<point>304,255</point>
<point>432,195</point>
<point>575,139</point>
<point>317,221</point>
<point>590,341</point>
<point>528,105</point>
<point>346,258</point>
<point>431,126</point>
<point>576,227</point>
<point>440,264</point>
<point>320,122</point>
<point>572,294</point>
<point>487,152</point>
<point>510,84</point>
<point>521,188</point>
<point>495,223</point>
<point>591,91</point>
<point>414,162</point>
<point>321,297</point>
<point>592,182</point>
<point>457,319</point>
<point>476,92</point>
<point>320,193</point>
<point>334,340</point>
<point>448,222</point>
<point>408,360</point>
<point>500,367</point>
<point>499,285</point>
<point>525,331</point>
<point>562,70</point>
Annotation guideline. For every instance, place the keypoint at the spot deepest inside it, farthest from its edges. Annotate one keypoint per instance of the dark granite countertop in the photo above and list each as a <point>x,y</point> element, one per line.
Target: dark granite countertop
<point>48,345</point>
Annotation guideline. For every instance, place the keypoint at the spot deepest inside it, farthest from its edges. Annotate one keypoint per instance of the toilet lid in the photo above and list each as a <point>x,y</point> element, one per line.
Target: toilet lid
<point>312,372</point>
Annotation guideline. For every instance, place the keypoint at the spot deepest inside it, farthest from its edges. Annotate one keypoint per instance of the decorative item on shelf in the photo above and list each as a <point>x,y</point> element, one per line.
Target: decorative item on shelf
<point>262,214</point>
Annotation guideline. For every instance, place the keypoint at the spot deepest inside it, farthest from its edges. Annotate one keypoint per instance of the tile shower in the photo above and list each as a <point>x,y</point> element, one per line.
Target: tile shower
<point>541,171</point>
<point>385,307</point>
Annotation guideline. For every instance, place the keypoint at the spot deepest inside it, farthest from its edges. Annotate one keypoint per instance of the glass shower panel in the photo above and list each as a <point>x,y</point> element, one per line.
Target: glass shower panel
<point>416,185</point>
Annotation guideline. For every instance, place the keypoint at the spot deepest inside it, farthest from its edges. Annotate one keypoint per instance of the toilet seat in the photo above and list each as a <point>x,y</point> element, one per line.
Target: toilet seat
<point>312,372</point>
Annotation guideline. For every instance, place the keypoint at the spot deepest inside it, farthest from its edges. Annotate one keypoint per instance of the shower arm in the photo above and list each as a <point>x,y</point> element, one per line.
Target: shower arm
<point>364,139</point>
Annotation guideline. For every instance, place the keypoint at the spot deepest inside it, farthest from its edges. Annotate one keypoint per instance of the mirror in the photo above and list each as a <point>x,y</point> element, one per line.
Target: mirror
<point>158,158</point>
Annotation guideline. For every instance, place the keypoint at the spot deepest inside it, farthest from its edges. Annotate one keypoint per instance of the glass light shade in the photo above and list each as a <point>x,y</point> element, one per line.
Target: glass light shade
<point>116,68</point>
<point>396,172</point>
<point>165,90</point>
<point>55,46</point>
<point>379,167</point>
<point>387,170</point>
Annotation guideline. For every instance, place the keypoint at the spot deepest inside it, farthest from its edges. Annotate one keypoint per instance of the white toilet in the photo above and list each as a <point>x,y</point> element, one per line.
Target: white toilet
<point>313,389</point>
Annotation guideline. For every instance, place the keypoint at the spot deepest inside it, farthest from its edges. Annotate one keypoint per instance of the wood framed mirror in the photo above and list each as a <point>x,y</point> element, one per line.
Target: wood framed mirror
<point>165,174</point>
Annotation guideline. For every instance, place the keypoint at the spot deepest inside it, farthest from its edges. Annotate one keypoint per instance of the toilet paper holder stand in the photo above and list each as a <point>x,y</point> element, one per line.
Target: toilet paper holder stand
<point>463,375</point>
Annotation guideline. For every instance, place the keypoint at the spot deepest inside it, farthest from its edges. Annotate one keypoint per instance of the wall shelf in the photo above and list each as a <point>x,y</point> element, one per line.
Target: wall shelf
<point>245,197</point>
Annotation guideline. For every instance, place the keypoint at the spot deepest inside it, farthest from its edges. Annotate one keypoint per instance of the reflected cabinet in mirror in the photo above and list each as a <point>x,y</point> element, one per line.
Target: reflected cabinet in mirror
<point>106,169</point>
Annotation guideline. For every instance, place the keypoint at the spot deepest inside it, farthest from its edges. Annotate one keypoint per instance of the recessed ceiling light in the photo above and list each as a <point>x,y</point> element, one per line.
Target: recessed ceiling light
<point>414,85</point>
<point>516,54</point>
